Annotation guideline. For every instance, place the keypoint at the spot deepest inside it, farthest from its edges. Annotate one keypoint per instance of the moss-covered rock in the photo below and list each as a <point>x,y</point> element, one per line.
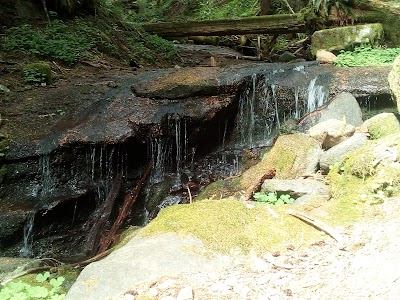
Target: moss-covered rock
<point>229,224</point>
<point>394,81</point>
<point>346,38</point>
<point>291,156</point>
<point>37,73</point>
<point>370,174</point>
<point>382,125</point>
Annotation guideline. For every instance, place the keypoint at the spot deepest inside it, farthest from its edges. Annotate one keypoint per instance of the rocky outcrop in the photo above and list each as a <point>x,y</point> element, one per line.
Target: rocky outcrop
<point>394,81</point>
<point>346,38</point>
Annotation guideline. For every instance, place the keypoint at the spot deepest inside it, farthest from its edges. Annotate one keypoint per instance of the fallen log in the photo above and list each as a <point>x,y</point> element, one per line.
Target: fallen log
<point>271,24</point>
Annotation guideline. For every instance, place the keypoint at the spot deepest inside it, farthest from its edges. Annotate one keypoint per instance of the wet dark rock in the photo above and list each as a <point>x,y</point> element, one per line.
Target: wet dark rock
<point>64,156</point>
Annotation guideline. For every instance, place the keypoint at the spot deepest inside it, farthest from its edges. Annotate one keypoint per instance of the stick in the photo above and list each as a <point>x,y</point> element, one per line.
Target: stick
<point>190,194</point>
<point>129,200</point>
<point>319,225</point>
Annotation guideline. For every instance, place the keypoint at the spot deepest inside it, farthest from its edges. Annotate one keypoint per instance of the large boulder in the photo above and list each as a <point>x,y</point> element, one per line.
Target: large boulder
<point>346,38</point>
<point>394,81</point>
<point>344,107</point>
<point>382,125</point>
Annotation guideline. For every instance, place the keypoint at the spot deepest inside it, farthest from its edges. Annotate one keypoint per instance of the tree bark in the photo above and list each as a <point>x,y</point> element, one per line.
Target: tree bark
<point>265,7</point>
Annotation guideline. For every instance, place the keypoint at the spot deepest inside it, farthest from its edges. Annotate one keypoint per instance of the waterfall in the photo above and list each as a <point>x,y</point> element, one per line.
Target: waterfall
<point>160,151</point>
<point>316,95</point>
<point>296,103</point>
<point>26,248</point>
<point>247,114</point>
<point>46,176</point>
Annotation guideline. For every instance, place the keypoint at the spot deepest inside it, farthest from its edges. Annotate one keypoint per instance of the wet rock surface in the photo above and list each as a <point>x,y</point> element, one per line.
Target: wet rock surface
<point>59,135</point>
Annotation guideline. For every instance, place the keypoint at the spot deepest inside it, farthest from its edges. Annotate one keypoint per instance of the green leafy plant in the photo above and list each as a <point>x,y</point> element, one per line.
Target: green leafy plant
<point>45,288</point>
<point>273,199</point>
<point>235,8</point>
<point>367,56</point>
<point>37,73</point>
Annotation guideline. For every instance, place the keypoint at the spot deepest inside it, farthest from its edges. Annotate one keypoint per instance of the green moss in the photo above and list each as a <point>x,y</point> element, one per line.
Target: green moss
<point>382,125</point>
<point>37,73</point>
<point>360,163</point>
<point>217,190</point>
<point>228,224</point>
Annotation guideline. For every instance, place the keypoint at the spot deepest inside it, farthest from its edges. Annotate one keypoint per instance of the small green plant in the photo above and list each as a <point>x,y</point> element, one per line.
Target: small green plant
<point>43,288</point>
<point>273,199</point>
<point>379,192</point>
<point>367,56</point>
<point>37,73</point>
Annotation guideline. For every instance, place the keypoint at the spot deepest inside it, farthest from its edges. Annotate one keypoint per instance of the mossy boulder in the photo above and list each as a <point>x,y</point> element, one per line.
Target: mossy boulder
<point>37,73</point>
<point>346,38</point>
<point>291,156</point>
<point>229,224</point>
<point>370,174</point>
<point>394,81</point>
<point>382,125</point>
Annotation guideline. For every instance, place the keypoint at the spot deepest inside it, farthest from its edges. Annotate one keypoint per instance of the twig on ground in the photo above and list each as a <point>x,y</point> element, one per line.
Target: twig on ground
<point>319,225</point>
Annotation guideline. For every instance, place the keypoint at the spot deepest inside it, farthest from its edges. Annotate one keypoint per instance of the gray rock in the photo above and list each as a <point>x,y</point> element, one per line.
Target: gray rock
<point>138,261</point>
<point>331,132</point>
<point>346,38</point>
<point>296,188</point>
<point>287,57</point>
<point>336,153</point>
<point>394,81</point>
<point>344,107</point>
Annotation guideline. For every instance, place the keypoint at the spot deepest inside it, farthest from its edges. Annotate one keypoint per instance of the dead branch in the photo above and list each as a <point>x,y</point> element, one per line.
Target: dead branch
<point>103,216</point>
<point>319,225</point>
<point>129,200</point>
<point>256,187</point>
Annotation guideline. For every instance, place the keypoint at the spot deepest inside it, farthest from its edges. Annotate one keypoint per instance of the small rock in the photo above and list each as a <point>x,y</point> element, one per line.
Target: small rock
<point>325,56</point>
<point>185,293</point>
<point>331,132</point>
<point>287,57</point>
<point>3,88</point>
<point>166,284</point>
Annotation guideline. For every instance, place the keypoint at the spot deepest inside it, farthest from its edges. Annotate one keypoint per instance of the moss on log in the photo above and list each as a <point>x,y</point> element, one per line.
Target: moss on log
<point>271,24</point>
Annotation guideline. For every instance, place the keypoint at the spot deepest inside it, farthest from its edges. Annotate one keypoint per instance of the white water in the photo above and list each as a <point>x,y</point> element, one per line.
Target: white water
<point>316,95</point>
<point>26,248</point>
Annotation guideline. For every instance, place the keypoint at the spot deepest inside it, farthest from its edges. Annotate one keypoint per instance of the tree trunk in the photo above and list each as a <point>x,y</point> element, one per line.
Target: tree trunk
<point>272,24</point>
<point>265,7</point>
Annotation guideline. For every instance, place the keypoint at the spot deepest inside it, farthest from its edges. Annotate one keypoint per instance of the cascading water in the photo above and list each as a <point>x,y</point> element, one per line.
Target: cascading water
<point>316,95</point>
<point>26,248</point>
